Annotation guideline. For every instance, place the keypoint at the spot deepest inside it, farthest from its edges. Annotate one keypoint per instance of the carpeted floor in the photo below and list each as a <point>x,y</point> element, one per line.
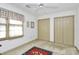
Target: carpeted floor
<point>47,45</point>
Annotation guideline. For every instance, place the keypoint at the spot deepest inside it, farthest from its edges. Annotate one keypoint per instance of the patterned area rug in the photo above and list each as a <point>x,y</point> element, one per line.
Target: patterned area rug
<point>37,51</point>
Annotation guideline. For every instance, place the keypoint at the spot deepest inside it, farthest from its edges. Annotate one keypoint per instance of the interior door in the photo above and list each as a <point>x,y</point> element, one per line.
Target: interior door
<point>68,30</point>
<point>44,29</point>
<point>64,30</point>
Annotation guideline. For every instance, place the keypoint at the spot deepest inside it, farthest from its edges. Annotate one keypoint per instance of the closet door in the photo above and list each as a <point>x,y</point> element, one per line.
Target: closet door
<point>68,30</point>
<point>44,29</point>
<point>64,30</point>
<point>58,30</point>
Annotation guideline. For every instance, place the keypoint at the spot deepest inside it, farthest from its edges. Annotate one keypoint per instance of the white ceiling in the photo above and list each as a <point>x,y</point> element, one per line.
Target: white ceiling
<point>40,11</point>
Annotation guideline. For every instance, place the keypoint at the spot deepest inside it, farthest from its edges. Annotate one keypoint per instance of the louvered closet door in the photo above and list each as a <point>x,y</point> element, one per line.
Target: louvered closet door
<point>64,30</point>
<point>44,29</point>
<point>58,30</point>
<point>68,30</point>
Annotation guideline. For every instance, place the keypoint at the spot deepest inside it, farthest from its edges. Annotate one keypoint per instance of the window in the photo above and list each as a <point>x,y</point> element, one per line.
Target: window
<point>10,28</point>
<point>15,28</point>
<point>2,28</point>
<point>11,24</point>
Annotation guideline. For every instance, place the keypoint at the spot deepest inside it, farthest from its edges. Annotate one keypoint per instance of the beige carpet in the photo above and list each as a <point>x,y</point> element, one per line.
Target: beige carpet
<point>57,50</point>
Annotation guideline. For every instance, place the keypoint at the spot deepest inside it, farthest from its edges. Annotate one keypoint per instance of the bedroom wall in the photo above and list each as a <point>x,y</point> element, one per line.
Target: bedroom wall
<point>77,29</point>
<point>29,34</point>
<point>64,13</point>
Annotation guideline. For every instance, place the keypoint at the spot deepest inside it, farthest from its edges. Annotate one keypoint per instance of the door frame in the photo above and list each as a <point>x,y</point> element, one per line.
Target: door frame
<point>38,26</point>
<point>73,27</point>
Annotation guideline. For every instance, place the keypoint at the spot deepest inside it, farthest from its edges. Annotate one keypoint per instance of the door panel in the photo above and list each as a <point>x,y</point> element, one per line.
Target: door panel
<point>44,29</point>
<point>68,30</point>
<point>58,30</point>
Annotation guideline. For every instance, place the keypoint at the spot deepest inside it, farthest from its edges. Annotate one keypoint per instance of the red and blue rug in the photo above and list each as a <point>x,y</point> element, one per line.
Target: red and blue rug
<point>37,51</point>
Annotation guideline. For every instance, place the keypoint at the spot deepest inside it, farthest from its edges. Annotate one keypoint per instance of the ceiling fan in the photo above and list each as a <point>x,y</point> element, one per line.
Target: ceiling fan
<point>41,5</point>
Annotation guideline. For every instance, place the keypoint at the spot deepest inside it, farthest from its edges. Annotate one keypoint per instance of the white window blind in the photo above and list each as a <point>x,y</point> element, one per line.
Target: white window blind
<point>2,28</point>
<point>15,28</point>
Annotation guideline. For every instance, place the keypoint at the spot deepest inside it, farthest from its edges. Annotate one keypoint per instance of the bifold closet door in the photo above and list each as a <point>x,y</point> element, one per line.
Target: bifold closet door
<point>68,30</point>
<point>64,30</point>
<point>58,30</point>
<point>44,29</point>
